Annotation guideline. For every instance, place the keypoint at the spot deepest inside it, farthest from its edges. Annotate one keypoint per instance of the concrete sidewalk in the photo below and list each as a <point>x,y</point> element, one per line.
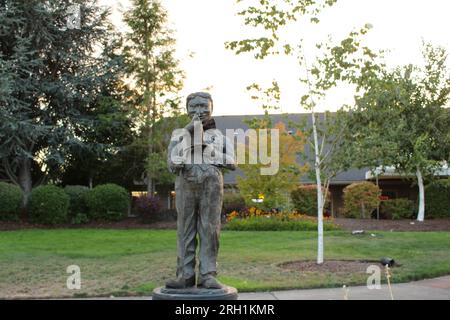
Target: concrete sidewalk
<point>432,289</point>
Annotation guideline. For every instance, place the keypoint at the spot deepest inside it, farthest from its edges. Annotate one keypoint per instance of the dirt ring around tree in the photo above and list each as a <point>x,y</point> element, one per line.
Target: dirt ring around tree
<point>334,266</point>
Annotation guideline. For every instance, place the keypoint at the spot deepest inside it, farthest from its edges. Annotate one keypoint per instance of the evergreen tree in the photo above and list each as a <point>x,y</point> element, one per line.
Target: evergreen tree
<point>151,65</point>
<point>50,76</point>
<point>110,129</point>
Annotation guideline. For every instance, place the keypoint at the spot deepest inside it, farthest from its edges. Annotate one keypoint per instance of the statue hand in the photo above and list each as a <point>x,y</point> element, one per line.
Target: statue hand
<point>190,126</point>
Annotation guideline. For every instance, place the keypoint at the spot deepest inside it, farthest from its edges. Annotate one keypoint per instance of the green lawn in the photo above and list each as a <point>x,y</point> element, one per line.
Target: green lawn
<point>120,262</point>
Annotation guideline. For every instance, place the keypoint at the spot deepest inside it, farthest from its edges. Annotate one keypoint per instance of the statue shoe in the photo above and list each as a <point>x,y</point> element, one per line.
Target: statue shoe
<point>210,282</point>
<point>181,283</point>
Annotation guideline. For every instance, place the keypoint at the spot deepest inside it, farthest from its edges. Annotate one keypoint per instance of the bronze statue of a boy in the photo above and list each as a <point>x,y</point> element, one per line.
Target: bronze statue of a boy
<point>197,154</point>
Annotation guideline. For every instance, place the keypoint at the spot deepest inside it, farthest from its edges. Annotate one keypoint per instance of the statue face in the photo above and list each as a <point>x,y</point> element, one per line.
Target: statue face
<point>200,106</point>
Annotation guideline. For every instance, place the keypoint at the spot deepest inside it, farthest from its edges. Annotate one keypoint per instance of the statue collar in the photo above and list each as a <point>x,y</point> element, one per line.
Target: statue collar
<point>209,124</point>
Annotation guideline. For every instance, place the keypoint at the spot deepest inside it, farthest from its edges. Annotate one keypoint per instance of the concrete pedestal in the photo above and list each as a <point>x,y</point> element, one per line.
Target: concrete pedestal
<point>226,293</point>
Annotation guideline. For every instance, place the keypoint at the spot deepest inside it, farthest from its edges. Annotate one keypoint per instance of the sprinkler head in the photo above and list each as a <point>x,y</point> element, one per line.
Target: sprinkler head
<point>387,261</point>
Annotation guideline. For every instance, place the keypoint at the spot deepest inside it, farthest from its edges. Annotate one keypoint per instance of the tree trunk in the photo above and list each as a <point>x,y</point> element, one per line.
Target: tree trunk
<point>320,201</point>
<point>154,115</point>
<point>149,186</point>
<point>150,180</point>
<point>25,181</point>
<point>421,213</point>
<point>150,114</point>
<point>90,182</point>
<point>378,206</point>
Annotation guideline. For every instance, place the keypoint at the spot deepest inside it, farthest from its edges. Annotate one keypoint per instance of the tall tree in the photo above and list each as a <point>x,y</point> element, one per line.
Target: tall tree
<point>325,135</point>
<point>401,119</point>
<point>328,136</point>
<point>110,128</point>
<point>48,79</point>
<point>154,71</point>
<point>274,188</point>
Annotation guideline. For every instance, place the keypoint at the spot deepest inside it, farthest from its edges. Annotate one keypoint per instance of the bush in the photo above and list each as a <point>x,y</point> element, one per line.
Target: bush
<point>48,205</point>
<point>360,199</point>
<point>77,195</point>
<point>10,201</point>
<point>304,199</point>
<point>79,218</point>
<point>108,201</point>
<point>233,202</point>
<point>437,199</point>
<point>397,208</point>
<point>148,208</point>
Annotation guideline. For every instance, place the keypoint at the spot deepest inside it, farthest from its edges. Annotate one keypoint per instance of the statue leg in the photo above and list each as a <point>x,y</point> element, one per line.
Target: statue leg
<point>186,227</point>
<point>209,228</point>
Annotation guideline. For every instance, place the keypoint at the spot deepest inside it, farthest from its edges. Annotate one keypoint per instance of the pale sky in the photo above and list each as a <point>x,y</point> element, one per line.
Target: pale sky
<point>203,26</point>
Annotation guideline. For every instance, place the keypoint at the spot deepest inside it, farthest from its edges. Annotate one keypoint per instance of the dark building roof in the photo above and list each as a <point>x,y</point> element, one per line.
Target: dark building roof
<point>237,122</point>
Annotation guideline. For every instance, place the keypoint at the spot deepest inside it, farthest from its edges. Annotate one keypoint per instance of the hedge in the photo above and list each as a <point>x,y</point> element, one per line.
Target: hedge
<point>78,208</point>
<point>10,201</point>
<point>437,199</point>
<point>77,195</point>
<point>304,199</point>
<point>49,204</point>
<point>108,202</point>
<point>397,208</point>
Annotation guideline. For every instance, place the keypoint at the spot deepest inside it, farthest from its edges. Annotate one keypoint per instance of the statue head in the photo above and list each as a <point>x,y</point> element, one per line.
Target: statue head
<point>201,104</point>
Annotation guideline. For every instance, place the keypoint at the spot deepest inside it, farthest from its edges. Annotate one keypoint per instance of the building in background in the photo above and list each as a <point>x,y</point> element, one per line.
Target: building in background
<point>392,184</point>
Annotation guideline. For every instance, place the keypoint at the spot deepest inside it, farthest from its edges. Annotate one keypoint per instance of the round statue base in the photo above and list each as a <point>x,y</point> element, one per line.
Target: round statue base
<point>226,293</point>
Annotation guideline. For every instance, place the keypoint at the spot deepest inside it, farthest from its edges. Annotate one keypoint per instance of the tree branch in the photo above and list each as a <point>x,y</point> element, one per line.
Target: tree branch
<point>10,173</point>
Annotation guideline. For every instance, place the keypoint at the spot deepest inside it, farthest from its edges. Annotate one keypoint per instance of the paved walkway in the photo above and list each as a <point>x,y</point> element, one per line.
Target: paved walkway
<point>432,289</point>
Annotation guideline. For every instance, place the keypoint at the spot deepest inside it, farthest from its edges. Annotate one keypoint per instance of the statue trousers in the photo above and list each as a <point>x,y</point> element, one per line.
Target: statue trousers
<point>199,206</point>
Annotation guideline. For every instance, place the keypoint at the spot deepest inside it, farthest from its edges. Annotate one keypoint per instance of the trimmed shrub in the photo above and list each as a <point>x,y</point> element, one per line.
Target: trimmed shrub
<point>437,199</point>
<point>304,199</point>
<point>77,195</point>
<point>233,202</point>
<point>108,201</point>
<point>48,205</point>
<point>396,209</point>
<point>80,218</point>
<point>10,201</point>
<point>148,208</point>
<point>360,199</point>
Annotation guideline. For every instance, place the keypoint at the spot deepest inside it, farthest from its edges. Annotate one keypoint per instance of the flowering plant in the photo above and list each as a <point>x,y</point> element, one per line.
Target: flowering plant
<point>274,214</point>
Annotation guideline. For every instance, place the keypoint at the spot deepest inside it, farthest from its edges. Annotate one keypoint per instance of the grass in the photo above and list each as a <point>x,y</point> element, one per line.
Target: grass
<point>132,262</point>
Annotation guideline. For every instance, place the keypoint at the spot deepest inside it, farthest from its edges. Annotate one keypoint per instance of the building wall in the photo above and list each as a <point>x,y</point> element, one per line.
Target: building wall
<point>394,188</point>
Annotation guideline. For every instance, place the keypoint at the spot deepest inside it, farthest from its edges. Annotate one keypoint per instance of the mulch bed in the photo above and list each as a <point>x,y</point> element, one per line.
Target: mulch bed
<point>333,266</point>
<point>345,224</point>
<point>129,223</point>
